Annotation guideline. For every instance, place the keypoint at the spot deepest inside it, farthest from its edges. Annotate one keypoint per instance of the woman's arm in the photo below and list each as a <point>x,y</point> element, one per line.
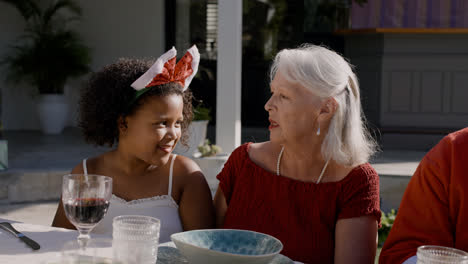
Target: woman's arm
<point>220,207</point>
<point>356,240</point>
<point>196,206</point>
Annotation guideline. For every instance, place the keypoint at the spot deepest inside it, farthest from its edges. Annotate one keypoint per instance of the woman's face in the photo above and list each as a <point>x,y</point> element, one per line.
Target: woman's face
<point>154,129</point>
<point>293,110</point>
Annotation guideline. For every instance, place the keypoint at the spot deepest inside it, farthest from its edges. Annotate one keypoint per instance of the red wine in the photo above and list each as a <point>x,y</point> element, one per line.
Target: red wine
<point>86,210</point>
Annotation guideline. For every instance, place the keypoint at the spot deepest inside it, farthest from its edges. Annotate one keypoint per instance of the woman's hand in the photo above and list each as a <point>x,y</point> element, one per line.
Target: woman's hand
<point>356,240</point>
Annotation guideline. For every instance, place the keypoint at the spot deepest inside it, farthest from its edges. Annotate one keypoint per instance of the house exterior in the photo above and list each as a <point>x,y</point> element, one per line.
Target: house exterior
<point>238,39</point>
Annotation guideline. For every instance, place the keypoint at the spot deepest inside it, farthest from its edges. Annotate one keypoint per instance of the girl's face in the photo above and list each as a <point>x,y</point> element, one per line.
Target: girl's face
<point>154,129</point>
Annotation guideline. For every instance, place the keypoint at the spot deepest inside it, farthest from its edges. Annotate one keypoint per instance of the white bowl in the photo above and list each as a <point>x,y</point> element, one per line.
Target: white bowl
<point>226,246</point>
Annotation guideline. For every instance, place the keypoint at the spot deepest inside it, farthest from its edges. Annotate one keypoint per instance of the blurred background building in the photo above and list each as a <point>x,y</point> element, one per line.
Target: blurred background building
<point>410,55</point>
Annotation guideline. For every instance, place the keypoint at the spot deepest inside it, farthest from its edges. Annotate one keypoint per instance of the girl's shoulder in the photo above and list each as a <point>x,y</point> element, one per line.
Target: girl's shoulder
<point>90,163</point>
<point>187,173</point>
<point>185,165</point>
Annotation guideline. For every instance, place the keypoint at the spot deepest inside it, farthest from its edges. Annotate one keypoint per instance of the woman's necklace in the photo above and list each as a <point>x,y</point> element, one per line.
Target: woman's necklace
<point>279,162</point>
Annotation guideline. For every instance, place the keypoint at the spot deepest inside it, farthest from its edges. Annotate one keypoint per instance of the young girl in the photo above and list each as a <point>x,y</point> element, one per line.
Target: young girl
<point>145,111</point>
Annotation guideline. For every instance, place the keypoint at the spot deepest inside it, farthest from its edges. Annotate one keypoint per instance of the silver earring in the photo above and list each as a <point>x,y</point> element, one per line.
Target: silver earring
<point>318,130</point>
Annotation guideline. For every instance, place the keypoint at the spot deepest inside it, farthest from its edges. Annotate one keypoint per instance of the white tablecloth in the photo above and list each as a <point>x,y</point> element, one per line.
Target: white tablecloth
<point>51,240</point>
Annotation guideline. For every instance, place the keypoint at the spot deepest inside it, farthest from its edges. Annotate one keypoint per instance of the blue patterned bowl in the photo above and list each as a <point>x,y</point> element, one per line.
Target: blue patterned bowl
<point>225,246</point>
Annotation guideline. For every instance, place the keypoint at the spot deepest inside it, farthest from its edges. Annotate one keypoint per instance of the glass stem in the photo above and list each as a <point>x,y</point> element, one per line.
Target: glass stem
<point>84,237</point>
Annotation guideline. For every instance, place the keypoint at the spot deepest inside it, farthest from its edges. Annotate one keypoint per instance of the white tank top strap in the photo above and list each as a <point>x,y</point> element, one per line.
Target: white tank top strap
<point>85,169</point>
<point>171,169</point>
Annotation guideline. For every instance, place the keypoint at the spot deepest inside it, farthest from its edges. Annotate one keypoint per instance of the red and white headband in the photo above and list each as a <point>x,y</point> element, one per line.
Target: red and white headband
<point>165,70</point>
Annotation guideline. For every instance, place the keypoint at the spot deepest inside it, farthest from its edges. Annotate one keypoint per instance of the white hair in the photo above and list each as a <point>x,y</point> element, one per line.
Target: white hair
<point>328,75</point>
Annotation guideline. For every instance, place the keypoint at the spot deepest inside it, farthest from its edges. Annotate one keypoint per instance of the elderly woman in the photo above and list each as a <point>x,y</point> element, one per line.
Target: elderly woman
<point>311,185</point>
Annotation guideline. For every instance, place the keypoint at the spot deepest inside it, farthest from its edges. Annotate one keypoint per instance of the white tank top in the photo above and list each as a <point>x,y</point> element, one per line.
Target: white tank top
<point>162,207</point>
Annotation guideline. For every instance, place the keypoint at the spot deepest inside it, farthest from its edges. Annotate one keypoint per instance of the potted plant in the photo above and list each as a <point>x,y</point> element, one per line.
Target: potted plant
<point>208,149</point>
<point>387,222</point>
<point>47,55</point>
<point>197,131</point>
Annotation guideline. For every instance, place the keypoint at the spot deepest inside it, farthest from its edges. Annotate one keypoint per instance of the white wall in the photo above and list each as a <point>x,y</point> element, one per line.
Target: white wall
<point>16,109</point>
<point>111,28</point>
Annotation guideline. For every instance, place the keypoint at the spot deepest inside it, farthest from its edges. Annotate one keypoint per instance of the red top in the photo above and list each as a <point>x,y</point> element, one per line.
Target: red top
<point>434,208</point>
<point>300,214</point>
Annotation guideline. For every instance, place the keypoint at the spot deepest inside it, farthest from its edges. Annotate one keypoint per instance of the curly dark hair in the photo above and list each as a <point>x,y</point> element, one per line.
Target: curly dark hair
<point>107,96</point>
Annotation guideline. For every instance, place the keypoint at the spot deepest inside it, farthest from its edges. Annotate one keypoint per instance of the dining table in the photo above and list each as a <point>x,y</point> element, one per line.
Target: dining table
<point>51,241</point>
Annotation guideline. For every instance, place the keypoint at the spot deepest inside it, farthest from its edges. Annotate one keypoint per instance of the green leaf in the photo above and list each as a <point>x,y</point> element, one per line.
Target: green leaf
<point>208,149</point>
<point>387,223</point>
<point>201,113</point>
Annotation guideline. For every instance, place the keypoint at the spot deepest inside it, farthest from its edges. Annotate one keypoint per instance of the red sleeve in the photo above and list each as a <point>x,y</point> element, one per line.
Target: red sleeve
<point>423,216</point>
<point>361,194</point>
<point>227,176</point>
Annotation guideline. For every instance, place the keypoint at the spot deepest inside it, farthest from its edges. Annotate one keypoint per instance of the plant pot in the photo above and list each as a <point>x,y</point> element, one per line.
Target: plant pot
<point>211,166</point>
<point>3,154</point>
<point>53,113</point>
<point>197,135</point>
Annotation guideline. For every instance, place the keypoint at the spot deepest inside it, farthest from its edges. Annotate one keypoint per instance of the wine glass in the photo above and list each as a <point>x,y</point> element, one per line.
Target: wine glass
<point>85,198</point>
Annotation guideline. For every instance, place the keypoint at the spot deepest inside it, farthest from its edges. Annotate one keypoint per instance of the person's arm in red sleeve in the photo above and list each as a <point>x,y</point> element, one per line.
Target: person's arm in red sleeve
<point>423,216</point>
<point>358,219</point>
<point>226,184</point>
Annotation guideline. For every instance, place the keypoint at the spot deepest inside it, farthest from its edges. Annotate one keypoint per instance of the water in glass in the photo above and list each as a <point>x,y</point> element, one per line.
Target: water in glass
<point>438,255</point>
<point>135,239</point>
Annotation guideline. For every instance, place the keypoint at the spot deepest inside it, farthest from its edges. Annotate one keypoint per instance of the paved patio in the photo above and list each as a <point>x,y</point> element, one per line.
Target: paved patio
<point>30,188</point>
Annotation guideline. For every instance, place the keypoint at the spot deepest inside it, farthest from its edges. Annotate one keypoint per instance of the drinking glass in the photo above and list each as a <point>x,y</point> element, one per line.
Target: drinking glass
<point>439,255</point>
<point>85,198</point>
<point>135,239</point>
